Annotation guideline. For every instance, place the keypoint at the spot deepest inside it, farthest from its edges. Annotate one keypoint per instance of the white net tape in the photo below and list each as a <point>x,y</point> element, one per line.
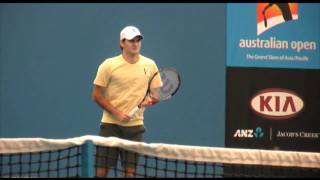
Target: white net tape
<point>170,151</point>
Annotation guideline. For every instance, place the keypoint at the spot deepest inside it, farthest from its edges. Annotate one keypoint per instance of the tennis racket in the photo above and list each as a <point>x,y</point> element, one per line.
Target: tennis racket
<point>170,85</point>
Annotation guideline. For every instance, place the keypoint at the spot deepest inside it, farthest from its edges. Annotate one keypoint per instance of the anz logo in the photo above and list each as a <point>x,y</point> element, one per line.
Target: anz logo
<point>249,133</point>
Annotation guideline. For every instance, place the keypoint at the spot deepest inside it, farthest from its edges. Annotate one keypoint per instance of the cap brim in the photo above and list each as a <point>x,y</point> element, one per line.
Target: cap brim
<point>134,37</point>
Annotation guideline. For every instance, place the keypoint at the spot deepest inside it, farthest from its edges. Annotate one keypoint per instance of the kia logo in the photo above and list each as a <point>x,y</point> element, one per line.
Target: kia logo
<point>276,104</point>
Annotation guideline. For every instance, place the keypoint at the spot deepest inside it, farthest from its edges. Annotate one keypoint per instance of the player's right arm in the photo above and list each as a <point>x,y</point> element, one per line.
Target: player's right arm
<point>98,97</point>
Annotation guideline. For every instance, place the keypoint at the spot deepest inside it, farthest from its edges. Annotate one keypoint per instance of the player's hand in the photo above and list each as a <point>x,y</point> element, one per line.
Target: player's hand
<point>123,117</point>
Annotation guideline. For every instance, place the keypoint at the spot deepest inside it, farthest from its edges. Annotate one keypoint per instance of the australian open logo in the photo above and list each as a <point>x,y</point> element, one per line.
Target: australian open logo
<point>272,14</point>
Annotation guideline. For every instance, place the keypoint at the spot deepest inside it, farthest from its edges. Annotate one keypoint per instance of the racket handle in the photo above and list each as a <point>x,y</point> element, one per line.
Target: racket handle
<point>133,111</point>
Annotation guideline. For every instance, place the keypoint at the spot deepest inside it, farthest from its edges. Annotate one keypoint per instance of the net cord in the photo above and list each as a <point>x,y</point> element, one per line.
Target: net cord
<point>169,151</point>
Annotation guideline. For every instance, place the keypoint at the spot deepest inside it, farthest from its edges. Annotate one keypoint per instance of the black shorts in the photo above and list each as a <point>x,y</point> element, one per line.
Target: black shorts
<point>107,157</point>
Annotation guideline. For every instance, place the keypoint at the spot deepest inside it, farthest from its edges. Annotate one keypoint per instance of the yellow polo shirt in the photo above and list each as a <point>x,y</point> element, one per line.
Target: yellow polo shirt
<point>126,85</point>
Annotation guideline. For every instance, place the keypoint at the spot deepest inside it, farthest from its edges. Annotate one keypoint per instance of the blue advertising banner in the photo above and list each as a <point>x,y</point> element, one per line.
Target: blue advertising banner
<point>277,35</point>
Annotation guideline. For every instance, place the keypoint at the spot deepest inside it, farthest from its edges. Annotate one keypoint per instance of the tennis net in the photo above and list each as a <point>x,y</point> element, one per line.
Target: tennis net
<point>79,157</point>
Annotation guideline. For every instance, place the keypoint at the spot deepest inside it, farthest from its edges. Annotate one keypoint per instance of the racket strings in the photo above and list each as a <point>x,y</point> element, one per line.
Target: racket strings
<point>170,84</point>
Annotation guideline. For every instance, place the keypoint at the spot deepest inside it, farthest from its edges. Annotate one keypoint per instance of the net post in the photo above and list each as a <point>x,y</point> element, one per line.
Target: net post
<point>87,160</point>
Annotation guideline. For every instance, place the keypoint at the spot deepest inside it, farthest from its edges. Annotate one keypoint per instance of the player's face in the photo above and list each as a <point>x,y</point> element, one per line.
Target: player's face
<point>132,46</point>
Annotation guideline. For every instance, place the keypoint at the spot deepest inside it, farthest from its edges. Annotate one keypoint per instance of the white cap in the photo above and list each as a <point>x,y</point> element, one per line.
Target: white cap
<point>129,33</point>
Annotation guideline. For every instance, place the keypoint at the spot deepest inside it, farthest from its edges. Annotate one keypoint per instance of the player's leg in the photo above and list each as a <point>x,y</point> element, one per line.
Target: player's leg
<point>106,156</point>
<point>129,163</point>
<point>106,159</point>
<point>130,159</point>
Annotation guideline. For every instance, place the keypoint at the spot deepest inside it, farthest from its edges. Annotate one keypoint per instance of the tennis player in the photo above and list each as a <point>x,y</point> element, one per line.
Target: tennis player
<point>120,85</point>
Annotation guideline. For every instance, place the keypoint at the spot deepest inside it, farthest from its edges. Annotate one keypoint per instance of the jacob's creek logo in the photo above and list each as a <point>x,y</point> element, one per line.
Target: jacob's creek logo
<point>272,14</point>
<point>276,103</point>
<point>249,133</point>
<point>301,134</point>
